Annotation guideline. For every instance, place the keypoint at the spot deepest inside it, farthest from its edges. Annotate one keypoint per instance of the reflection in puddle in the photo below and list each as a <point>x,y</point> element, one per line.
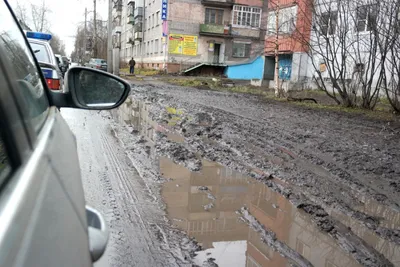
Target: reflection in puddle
<point>223,236</point>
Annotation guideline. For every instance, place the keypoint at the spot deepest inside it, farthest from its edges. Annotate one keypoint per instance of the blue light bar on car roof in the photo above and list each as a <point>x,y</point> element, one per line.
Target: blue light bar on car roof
<point>39,35</point>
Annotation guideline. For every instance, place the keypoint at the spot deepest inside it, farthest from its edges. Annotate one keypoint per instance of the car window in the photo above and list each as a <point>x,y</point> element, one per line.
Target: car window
<point>28,81</point>
<point>40,52</point>
<point>103,62</point>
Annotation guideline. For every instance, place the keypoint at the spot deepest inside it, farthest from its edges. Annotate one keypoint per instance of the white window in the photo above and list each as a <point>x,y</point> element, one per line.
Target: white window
<point>156,46</point>
<point>286,20</point>
<point>149,22</point>
<point>366,18</point>
<point>158,17</point>
<point>240,49</point>
<point>245,16</point>
<point>151,47</point>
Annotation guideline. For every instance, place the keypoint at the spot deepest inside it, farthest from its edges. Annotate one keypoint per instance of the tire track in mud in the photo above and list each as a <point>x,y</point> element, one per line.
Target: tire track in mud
<point>134,216</point>
<point>128,205</point>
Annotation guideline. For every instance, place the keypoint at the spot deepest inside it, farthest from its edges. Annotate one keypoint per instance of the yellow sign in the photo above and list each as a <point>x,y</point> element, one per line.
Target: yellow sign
<point>183,44</point>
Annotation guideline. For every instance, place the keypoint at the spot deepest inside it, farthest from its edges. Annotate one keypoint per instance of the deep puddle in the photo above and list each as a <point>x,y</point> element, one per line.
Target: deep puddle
<point>204,205</point>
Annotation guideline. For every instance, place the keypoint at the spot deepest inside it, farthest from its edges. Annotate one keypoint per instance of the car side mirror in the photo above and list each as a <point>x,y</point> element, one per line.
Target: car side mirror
<point>87,88</point>
<point>98,233</point>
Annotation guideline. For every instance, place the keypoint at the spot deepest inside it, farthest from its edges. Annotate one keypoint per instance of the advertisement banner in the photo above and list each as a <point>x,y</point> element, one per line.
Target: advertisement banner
<point>183,44</point>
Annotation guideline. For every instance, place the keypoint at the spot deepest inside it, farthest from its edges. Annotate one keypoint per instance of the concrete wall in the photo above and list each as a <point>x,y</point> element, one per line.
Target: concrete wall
<point>248,71</point>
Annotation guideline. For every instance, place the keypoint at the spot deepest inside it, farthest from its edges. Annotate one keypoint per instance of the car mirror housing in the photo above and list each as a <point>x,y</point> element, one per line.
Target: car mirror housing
<point>87,88</point>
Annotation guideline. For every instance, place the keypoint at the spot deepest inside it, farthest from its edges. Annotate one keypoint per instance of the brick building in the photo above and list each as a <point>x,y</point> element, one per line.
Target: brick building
<point>294,29</point>
<point>193,31</point>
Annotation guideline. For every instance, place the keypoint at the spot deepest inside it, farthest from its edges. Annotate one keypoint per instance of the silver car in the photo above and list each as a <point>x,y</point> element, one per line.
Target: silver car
<point>97,63</point>
<point>44,220</point>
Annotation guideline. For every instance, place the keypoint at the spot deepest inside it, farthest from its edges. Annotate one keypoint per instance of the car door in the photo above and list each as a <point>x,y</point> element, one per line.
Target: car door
<point>42,207</point>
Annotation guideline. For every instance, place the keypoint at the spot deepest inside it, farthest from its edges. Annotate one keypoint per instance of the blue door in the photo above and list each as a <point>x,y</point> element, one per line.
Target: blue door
<point>285,67</point>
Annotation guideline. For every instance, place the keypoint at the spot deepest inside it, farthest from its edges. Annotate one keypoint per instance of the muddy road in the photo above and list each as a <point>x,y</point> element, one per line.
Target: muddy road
<point>139,232</point>
<point>333,175</point>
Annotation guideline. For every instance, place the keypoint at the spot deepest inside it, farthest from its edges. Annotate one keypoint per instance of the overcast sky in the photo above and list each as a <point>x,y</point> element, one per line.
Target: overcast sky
<point>66,16</point>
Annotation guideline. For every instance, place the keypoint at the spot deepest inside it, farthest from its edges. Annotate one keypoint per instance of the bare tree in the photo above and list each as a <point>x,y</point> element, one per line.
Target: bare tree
<point>21,13</point>
<point>101,36</point>
<point>57,45</point>
<point>39,16</point>
<point>391,46</point>
<point>346,49</point>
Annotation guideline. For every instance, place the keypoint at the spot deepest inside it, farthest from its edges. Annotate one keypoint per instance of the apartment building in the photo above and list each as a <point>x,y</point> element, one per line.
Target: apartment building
<point>291,38</point>
<point>176,34</point>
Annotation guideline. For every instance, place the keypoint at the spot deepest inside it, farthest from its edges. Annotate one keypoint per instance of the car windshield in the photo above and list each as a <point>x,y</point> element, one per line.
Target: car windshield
<point>40,52</point>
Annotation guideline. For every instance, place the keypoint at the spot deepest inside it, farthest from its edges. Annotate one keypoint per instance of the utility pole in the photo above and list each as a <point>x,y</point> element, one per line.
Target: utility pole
<point>85,37</point>
<point>109,38</point>
<point>95,30</point>
<point>277,91</point>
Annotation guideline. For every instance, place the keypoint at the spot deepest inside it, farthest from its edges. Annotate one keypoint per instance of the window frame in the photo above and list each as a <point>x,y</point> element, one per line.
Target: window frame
<point>367,20</point>
<point>328,24</point>
<point>244,48</point>
<point>286,17</point>
<point>219,16</point>
<point>238,11</point>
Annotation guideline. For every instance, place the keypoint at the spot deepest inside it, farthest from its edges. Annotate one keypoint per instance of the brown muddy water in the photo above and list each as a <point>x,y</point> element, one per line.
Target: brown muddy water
<point>205,205</point>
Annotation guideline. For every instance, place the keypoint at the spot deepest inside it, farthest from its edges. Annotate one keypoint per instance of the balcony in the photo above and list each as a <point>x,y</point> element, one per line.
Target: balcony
<point>246,32</point>
<point>138,36</point>
<point>138,26</point>
<point>138,12</point>
<point>214,30</point>
<point>117,29</point>
<point>218,3</point>
<point>131,19</point>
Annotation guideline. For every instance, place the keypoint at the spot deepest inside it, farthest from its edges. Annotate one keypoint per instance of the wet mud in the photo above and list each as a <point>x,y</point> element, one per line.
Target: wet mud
<point>336,172</point>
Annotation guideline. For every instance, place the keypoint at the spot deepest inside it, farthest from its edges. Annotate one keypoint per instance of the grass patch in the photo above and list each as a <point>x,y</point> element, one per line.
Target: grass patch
<point>139,71</point>
<point>185,82</point>
<point>374,114</point>
<point>381,112</point>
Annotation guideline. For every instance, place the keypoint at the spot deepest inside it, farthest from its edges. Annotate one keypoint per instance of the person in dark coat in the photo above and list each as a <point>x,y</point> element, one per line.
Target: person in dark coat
<point>132,64</point>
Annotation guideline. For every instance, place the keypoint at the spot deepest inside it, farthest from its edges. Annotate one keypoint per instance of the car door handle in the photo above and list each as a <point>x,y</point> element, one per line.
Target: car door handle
<point>98,233</point>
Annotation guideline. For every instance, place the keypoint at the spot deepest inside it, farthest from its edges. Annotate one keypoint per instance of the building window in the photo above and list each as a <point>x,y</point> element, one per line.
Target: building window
<point>366,18</point>
<point>156,46</point>
<point>328,23</point>
<point>287,20</point>
<point>214,16</point>
<point>152,20</point>
<point>158,17</point>
<point>245,16</point>
<point>149,22</point>
<point>241,49</point>
<point>151,47</point>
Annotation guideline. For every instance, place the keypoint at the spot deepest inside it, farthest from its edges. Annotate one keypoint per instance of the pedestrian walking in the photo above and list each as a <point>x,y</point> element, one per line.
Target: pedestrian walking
<point>132,64</point>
